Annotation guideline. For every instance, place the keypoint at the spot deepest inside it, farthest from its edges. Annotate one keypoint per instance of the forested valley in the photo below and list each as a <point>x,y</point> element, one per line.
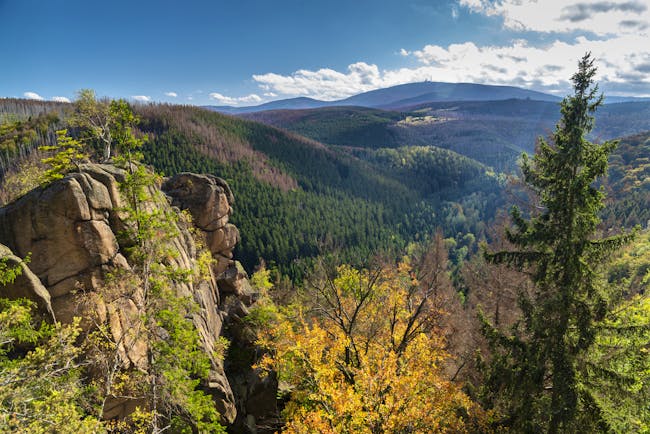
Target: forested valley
<point>390,271</point>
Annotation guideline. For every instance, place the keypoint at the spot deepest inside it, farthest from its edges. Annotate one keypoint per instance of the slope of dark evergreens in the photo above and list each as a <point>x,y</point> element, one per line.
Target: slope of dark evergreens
<point>430,170</point>
<point>344,126</point>
<point>313,166</point>
<point>339,200</point>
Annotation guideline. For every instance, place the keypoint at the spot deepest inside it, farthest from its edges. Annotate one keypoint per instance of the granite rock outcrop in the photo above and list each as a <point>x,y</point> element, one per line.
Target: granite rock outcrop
<point>70,230</point>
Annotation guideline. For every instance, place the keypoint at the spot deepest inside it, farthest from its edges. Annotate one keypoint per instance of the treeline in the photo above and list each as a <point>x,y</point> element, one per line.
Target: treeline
<point>21,133</point>
<point>21,109</point>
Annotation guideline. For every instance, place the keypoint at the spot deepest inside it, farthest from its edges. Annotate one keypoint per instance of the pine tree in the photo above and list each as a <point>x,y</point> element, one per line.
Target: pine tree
<point>68,153</point>
<point>535,372</point>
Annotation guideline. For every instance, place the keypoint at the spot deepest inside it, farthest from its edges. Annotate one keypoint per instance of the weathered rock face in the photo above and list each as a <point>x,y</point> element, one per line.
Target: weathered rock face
<point>70,229</point>
<point>209,201</point>
<point>66,230</point>
<point>26,285</point>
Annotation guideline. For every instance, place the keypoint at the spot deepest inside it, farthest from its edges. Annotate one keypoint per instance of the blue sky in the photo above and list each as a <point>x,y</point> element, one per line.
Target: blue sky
<point>244,52</point>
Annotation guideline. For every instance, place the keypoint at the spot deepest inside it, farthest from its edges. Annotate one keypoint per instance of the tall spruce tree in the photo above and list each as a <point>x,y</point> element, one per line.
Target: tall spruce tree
<point>535,372</point>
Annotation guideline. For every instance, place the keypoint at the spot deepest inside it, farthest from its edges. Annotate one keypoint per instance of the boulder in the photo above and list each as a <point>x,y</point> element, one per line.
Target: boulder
<point>234,280</point>
<point>64,227</point>
<point>26,285</point>
<point>208,198</point>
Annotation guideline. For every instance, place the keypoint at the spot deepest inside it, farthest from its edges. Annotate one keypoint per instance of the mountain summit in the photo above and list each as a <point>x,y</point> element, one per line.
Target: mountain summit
<point>400,96</point>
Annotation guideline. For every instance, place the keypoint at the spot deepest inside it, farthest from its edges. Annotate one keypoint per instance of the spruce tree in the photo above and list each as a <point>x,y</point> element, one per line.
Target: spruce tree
<point>535,372</point>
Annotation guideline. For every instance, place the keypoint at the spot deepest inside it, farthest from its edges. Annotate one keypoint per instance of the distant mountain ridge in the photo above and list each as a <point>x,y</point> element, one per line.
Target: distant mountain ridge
<point>402,95</point>
<point>282,104</point>
<point>619,99</point>
<point>430,91</point>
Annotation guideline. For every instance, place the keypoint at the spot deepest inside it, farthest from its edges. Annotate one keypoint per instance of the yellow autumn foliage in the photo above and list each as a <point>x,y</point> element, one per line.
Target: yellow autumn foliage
<point>365,355</point>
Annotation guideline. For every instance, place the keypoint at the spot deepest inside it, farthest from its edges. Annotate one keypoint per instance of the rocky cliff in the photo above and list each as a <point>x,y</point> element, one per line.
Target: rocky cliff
<point>70,231</point>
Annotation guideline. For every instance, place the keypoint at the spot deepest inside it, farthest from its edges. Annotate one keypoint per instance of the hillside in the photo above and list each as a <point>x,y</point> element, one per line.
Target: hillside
<point>492,132</point>
<point>306,197</point>
<point>297,198</point>
<point>344,126</point>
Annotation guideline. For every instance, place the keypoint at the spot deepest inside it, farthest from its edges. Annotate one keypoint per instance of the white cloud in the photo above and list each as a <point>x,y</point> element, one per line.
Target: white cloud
<point>171,94</point>
<point>60,99</point>
<point>326,84</point>
<point>228,100</point>
<point>33,95</point>
<point>623,66</point>
<point>141,98</point>
<point>622,61</point>
<point>250,98</point>
<point>598,16</point>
